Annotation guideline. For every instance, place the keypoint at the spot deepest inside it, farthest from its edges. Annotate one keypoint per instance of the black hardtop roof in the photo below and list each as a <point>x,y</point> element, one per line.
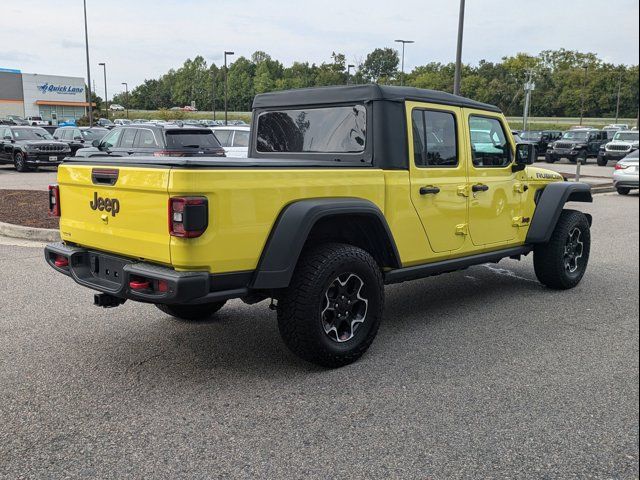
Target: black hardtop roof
<point>362,93</point>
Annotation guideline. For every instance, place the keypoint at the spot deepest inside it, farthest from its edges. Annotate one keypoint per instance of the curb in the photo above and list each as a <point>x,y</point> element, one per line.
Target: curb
<point>29,233</point>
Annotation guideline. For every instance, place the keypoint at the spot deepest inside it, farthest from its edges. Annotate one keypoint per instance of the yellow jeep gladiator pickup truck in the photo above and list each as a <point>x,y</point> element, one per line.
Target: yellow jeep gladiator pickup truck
<point>346,189</point>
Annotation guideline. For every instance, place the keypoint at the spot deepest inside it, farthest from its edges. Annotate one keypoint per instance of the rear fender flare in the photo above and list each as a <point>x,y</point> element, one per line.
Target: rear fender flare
<point>550,206</point>
<point>292,228</point>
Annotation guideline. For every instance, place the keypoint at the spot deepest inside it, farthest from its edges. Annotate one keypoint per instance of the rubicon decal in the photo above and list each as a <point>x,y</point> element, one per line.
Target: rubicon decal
<point>105,204</point>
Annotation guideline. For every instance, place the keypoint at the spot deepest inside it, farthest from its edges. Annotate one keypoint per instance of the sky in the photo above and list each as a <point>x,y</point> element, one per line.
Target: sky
<point>140,39</point>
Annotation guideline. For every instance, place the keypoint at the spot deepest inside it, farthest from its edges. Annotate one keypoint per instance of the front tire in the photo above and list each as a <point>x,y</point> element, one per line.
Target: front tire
<point>602,162</point>
<point>331,311</point>
<point>623,190</point>
<point>582,158</point>
<point>202,311</point>
<point>561,263</point>
<point>549,158</point>
<point>20,162</point>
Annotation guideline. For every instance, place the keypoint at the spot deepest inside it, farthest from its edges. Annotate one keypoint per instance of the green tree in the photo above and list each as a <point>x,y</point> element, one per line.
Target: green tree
<point>381,65</point>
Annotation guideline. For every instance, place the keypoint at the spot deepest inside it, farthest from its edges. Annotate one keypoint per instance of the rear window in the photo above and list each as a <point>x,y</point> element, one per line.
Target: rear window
<point>318,130</point>
<point>192,139</point>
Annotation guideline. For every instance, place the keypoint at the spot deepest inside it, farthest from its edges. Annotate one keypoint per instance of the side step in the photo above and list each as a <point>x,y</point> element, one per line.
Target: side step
<point>451,265</point>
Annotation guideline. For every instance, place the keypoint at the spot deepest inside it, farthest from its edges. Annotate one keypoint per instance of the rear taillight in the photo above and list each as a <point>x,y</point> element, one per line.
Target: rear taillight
<point>188,216</point>
<point>54,200</point>
<point>169,153</point>
<point>621,166</point>
<point>61,261</point>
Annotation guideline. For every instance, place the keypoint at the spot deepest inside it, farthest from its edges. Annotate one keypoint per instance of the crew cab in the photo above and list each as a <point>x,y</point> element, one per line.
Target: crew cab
<point>576,145</point>
<point>30,147</point>
<point>36,121</point>
<point>623,143</point>
<point>346,189</point>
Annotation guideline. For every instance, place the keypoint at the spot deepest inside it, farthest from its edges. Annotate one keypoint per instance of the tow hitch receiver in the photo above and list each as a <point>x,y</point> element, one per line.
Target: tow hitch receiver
<point>105,300</point>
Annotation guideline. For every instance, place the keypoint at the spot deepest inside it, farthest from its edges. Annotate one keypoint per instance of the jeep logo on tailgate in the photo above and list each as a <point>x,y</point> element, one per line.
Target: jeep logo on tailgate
<point>105,204</point>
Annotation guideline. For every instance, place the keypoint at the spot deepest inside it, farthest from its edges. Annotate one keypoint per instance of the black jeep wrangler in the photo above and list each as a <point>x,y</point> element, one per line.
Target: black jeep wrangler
<point>580,144</point>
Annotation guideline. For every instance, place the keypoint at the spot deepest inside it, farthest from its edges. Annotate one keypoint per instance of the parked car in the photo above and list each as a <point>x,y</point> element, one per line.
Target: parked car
<point>323,214</point>
<point>67,122</point>
<point>17,120</point>
<point>625,175</point>
<point>541,138</point>
<point>29,147</point>
<point>623,143</point>
<point>105,123</point>
<point>576,145</point>
<point>36,121</point>
<point>189,108</point>
<point>79,137</point>
<point>234,140</point>
<point>122,121</point>
<point>49,128</point>
<point>155,140</point>
<point>116,108</point>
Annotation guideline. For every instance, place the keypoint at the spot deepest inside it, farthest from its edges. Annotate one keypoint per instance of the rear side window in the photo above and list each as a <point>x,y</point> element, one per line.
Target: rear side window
<point>316,130</point>
<point>192,139</point>
<point>435,143</point>
<point>146,139</point>
<point>224,137</point>
<point>241,139</point>
<point>489,145</point>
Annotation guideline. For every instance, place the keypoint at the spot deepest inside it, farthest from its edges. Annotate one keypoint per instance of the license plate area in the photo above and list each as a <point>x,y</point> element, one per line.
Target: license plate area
<point>53,158</point>
<point>100,271</point>
<point>106,268</point>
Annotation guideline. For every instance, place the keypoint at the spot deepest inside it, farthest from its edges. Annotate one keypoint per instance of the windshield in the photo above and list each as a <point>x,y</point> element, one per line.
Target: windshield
<point>93,134</point>
<point>574,135</point>
<point>626,136</point>
<point>192,139</point>
<point>531,135</point>
<point>31,134</point>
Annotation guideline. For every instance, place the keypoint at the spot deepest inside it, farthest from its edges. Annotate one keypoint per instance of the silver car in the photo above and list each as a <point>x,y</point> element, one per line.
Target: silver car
<point>625,176</point>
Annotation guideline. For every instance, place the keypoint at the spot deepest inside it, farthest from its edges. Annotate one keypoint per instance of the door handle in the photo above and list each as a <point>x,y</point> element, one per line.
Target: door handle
<point>429,190</point>
<point>479,188</point>
<point>131,152</point>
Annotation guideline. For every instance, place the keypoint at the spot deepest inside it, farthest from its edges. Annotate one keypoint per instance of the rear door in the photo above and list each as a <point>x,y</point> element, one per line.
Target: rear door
<point>494,201</point>
<point>438,174</point>
<point>117,209</point>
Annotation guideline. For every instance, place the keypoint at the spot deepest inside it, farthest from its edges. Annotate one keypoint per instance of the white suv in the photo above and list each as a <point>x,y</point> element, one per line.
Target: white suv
<point>623,143</point>
<point>36,121</point>
<point>234,140</point>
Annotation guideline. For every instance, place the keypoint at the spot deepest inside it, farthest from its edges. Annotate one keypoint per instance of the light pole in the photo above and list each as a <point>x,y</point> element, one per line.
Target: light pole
<point>126,89</point>
<point>106,101</point>
<point>86,44</point>
<point>458,74</point>
<point>349,67</point>
<point>213,94</point>
<point>403,42</point>
<point>618,100</point>
<point>226,91</point>
<point>584,87</point>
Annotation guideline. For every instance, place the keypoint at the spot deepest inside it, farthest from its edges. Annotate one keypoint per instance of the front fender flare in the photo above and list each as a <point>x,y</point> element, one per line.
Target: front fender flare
<point>291,230</point>
<point>550,205</point>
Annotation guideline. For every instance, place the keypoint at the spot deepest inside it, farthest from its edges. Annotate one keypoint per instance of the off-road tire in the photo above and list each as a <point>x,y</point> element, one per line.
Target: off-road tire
<point>20,162</point>
<point>602,162</point>
<point>202,311</point>
<point>582,157</point>
<point>623,190</point>
<point>549,159</point>
<point>301,306</point>
<point>549,258</point>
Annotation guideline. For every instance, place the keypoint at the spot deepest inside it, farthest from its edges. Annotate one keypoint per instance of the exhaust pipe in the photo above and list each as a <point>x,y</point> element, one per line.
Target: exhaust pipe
<point>105,300</point>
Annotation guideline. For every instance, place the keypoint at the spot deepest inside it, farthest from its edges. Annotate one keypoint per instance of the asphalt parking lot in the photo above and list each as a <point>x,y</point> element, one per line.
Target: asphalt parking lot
<point>475,374</point>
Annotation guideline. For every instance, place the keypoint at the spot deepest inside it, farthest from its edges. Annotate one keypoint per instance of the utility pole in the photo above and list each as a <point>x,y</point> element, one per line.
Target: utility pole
<point>529,87</point>
<point>403,42</point>
<point>86,44</point>
<point>226,85</point>
<point>106,101</point>
<point>213,93</point>
<point>618,100</point>
<point>584,87</point>
<point>458,74</point>
<point>126,89</point>
<point>349,67</point>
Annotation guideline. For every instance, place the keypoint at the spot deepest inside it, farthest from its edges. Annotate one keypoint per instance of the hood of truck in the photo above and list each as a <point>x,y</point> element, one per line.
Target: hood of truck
<point>536,174</point>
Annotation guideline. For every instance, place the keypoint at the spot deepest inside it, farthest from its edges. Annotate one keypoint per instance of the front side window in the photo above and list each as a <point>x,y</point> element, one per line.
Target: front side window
<point>111,140</point>
<point>128,137</point>
<point>316,130</point>
<point>241,139</point>
<point>489,144</point>
<point>435,142</point>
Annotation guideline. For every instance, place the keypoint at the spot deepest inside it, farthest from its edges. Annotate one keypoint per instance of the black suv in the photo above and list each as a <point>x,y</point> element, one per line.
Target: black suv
<point>28,147</point>
<point>156,140</point>
<point>79,137</point>
<point>579,144</point>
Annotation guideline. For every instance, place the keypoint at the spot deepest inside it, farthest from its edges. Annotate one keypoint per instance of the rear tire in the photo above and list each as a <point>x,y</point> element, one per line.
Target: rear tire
<point>331,311</point>
<point>623,190</point>
<point>549,159</point>
<point>561,263</point>
<point>602,162</point>
<point>192,312</point>
<point>20,162</point>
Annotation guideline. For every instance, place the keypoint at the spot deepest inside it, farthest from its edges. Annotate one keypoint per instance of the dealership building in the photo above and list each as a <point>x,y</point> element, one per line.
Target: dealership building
<point>52,97</point>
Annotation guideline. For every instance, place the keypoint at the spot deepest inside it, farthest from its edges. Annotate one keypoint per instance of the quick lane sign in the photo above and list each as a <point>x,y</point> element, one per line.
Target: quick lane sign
<point>62,89</point>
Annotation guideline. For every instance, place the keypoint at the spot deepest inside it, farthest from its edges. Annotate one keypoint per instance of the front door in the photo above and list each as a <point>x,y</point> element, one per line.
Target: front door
<point>494,197</point>
<point>438,173</point>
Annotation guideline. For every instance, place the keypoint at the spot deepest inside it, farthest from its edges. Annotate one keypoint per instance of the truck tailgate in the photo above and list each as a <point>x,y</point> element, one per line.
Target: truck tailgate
<point>119,209</point>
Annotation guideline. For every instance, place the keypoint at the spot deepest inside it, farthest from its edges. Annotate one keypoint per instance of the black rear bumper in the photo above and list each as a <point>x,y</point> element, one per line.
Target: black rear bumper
<point>112,274</point>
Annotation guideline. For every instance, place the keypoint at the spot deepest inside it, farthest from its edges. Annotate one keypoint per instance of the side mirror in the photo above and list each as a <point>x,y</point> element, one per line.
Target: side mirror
<point>55,137</point>
<point>525,155</point>
<point>96,143</point>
